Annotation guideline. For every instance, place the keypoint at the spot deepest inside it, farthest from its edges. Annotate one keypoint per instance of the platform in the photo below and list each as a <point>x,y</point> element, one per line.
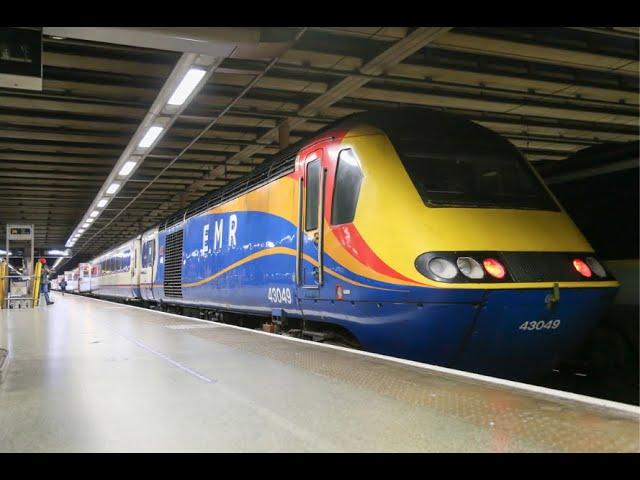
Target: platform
<point>86,375</point>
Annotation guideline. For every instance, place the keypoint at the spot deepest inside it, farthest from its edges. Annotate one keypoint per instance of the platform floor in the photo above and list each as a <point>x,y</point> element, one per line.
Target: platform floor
<point>85,375</point>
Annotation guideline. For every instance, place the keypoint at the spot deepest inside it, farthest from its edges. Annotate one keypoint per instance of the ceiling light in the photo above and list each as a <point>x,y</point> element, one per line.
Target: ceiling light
<point>113,188</point>
<point>127,168</point>
<point>150,137</point>
<point>58,252</point>
<point>186,86</point>
<point>102,203</point>
<point>81,230</point>
<point>95,213</point>
<point>89,220</point>
<point>85,225</point>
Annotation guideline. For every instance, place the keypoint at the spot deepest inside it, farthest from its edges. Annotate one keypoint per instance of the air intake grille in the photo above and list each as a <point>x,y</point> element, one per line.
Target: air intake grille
<point>173,265</point>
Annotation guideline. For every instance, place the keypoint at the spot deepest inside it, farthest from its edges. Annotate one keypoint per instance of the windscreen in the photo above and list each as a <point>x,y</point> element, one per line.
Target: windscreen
<point>468,170</point>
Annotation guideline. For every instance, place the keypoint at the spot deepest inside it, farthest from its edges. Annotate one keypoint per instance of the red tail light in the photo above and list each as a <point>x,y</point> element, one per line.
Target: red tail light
<point>582,268</point>
<point>494,268</point>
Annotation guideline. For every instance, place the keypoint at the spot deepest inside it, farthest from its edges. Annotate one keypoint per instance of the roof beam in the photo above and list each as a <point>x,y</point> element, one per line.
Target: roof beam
<point>592,172</point>
<point>215,42</point>
<point>416,40</point>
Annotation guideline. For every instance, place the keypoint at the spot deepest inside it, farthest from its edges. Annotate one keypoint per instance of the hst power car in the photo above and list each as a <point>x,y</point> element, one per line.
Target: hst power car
<point>410,233</point>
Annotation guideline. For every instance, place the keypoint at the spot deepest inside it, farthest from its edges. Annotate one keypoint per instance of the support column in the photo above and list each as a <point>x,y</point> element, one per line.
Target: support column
<point>283,133</point>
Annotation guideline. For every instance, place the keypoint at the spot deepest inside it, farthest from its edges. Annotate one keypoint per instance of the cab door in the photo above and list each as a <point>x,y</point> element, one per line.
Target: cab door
<point>311,201</point>
<point>147,270</point>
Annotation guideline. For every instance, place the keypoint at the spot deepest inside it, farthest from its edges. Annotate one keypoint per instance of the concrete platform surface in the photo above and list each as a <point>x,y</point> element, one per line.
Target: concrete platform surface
<point>91,376</point>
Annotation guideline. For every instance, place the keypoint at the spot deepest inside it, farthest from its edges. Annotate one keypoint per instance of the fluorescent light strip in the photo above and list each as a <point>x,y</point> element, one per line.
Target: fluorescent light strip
<point>113,188</point>
<point>89,220</point>
<point>186,86</point>
<point>102,203</point>
<point>127,168</point>
<point>156,123</point>
<point>152,134</point>
<point>85,225</point>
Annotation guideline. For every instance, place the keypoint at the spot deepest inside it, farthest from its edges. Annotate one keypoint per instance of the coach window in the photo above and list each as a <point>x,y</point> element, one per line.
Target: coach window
<point>346,188</point>
<point>313,190</point>
<point>147,254</point>
<point>144,261</point>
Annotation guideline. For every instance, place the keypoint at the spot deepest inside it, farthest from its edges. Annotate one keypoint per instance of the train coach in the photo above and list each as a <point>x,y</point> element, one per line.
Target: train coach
<point>411,233</point>
<point>71,277</point>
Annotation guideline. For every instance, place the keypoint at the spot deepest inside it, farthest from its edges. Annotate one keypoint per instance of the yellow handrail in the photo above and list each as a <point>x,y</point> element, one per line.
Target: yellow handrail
<point>36,283</point>
<point>3,274</point>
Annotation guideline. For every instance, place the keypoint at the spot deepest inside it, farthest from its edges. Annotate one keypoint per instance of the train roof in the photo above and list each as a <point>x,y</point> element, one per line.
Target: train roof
<point>390,122</point>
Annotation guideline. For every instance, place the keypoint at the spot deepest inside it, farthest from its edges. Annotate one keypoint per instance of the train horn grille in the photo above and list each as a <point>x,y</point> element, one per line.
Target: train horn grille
<point>173,265</point>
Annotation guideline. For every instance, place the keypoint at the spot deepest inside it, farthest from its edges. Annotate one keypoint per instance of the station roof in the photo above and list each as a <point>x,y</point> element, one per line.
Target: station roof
<point>550,91</point>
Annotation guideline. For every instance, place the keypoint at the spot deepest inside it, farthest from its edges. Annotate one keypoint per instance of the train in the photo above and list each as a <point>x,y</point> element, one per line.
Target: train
<point>78,279</point>
<point>412,233</point>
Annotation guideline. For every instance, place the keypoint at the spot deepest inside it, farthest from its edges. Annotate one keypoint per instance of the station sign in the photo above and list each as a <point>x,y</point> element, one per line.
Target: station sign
<point>20,58</point>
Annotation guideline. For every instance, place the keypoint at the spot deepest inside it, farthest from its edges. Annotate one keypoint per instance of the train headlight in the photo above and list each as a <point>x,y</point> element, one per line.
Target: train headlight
<point>442,268</point>
<point>494,268</point>
<point>470,268</point>
<point>582,268</point>
<point>596,267</point>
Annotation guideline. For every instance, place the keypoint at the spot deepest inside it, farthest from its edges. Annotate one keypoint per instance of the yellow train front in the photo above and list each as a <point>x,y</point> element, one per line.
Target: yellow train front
<point>440,243</point>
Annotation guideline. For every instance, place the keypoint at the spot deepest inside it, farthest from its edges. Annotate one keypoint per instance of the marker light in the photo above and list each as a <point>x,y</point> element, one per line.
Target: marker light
<point>596,267</point>
<point>186,86</point>
<point>443,268</point>
<point>494,268</point>
<point>582,268</point>
<point>470,267</point>
<point>95,213</point>
<point>127,168</point>
<point>150,137</point>
<point>102,202</point>
<point>113,188</point>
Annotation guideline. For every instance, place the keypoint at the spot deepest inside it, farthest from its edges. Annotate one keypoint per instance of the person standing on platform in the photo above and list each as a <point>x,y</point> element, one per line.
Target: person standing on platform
<point>63,285</point>
<point>44,281</point>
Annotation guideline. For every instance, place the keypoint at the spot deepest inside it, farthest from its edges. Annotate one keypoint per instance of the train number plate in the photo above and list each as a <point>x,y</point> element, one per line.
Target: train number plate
<point>540,325</point>
<point>279,295</point>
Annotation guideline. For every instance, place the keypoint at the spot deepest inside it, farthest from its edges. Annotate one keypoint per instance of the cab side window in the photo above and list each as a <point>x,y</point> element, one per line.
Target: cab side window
<point>313,191</point>
<point>346,187</point>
